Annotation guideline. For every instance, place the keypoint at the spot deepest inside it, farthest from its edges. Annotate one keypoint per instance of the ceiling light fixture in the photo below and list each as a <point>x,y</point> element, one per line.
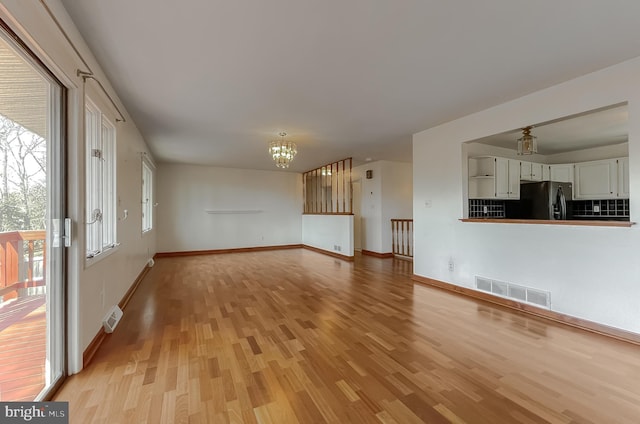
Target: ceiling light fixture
<point>282,151</point>
<point>527,144</point>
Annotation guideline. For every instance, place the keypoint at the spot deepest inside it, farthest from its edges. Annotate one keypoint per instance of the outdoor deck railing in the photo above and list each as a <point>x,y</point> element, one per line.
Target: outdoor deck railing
<point>22,259</point>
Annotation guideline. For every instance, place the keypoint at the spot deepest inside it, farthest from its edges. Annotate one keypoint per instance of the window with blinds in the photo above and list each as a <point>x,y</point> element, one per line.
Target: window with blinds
<point>100,181</point>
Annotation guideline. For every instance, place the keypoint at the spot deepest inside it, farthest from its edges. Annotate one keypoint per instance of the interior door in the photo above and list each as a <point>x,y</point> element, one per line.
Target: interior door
<point>32,337</point>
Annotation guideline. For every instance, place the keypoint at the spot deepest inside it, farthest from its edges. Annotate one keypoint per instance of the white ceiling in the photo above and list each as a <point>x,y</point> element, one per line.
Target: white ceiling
<point>594,129</point>
<point>211,81</point>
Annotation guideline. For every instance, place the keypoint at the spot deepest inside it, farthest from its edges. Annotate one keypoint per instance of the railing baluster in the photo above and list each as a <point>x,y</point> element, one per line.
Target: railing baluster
<point>30,268</point>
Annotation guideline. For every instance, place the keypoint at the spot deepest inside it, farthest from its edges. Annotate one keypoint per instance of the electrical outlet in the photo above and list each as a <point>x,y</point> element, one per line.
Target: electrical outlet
<point>451,265</point>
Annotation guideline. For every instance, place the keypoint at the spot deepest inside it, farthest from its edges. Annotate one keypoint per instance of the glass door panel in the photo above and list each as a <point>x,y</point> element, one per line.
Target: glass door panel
<point>31,207</point>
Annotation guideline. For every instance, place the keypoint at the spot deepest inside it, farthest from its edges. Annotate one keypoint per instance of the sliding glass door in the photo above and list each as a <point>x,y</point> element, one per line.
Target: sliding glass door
<point>32,293</point>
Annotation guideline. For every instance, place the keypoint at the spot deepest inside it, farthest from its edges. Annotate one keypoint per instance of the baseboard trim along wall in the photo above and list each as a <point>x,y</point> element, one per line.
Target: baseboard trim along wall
<point>329,253</point>
<point>91,350</point>
<point>377,255</point>
<point>220,251</point>
<point>251,249</point>
<point>583,324</point>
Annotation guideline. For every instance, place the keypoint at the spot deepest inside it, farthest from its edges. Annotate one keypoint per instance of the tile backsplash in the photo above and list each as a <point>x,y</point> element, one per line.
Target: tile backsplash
<point>601,208</point>
<point>493,208</point>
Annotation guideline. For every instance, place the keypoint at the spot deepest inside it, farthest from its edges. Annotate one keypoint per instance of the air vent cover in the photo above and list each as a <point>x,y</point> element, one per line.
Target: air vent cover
<point>112,319</point>
<point>516,292</point>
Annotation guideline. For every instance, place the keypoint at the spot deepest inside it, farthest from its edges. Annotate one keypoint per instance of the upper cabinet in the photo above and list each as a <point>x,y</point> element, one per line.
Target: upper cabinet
<point>562,173</point>
<point>507,178</point>
<point>602,179</point>
<point>530,171</point>
<point>623,178</point>
<point>491,177</point>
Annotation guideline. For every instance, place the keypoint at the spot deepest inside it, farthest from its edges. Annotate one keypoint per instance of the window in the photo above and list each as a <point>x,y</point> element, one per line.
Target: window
<point>101,181</point>
<point>147,197</point>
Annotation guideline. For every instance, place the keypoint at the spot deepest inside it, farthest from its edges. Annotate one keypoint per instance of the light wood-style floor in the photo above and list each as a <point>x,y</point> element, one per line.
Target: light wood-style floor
<point>294,336</point>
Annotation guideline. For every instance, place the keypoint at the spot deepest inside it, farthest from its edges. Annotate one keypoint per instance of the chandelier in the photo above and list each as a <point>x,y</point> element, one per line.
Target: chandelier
<point>527,144</point>
<point>282,151</point>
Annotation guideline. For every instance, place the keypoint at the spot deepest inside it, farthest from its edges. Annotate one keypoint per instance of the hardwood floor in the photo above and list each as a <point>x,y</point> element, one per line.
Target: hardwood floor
<point>295,336</point>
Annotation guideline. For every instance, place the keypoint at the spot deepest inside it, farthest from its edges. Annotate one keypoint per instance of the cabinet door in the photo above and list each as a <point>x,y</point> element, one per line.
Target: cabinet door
<point>502,178</point>
<point>596,180</point>
<point>546,173</point>
<point>562,173</point>
<point>623,178</point>
<point>514,179</point>
<point>536,172</point>
<point>525,171</point>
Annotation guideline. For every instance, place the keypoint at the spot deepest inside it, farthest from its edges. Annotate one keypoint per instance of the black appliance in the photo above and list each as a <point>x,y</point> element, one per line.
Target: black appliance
<point>546,200</point>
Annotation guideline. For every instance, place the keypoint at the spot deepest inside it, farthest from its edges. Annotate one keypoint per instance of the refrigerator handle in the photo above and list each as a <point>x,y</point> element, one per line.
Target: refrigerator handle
<point>562,203</point>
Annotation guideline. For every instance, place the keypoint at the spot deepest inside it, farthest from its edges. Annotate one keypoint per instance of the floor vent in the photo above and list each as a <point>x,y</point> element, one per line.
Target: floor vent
<point>112,319</point>
<point>516,292</point>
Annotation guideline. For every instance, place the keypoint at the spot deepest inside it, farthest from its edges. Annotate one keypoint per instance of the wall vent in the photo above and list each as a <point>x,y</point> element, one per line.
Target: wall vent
<point>112,319</point>
<point>516,292</point>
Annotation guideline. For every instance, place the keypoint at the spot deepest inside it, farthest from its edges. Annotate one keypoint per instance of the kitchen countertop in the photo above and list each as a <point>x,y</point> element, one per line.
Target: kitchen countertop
<point>591,223</point>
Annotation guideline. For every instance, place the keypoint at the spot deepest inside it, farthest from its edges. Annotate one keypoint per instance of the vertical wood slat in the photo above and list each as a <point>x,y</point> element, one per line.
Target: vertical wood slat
<point>403,240</point>
<point>350,185</point>
<point>315,190</point>
<point>326,190</point>
<point>336,186</point>
<point>342,179</point>
<point>30,268</point>
<point>304,192</point>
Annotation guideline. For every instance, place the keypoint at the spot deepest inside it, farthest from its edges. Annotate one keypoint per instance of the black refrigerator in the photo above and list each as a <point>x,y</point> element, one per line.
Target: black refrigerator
<point>546,200</point>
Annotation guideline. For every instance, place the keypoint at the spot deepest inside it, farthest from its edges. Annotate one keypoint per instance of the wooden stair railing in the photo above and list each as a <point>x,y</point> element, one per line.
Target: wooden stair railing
<point>402,237</point>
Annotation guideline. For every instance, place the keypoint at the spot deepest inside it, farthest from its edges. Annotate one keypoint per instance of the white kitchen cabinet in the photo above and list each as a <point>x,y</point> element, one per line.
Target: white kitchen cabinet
<point>546,173</point>
<point>623,178</point>
<point>482,177</point>
<point>507,178</point>
<point>530,171</point>
<point>514,179</point>
<point>562,172</point>
<point>494,178</point>
<point>596,179</point>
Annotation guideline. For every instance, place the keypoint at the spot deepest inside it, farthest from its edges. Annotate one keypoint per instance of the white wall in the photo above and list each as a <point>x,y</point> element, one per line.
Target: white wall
<point>385,196</point>
<point>92,289</point>
<point>333,233</point>
<point>253,208</point>
<point>370,206</point>
<point>397,197</point>
<point>592,272</point>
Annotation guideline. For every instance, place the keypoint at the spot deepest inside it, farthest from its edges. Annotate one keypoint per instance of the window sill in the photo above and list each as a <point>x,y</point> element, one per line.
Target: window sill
<point>103,255</point>
<point>623,224</point>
